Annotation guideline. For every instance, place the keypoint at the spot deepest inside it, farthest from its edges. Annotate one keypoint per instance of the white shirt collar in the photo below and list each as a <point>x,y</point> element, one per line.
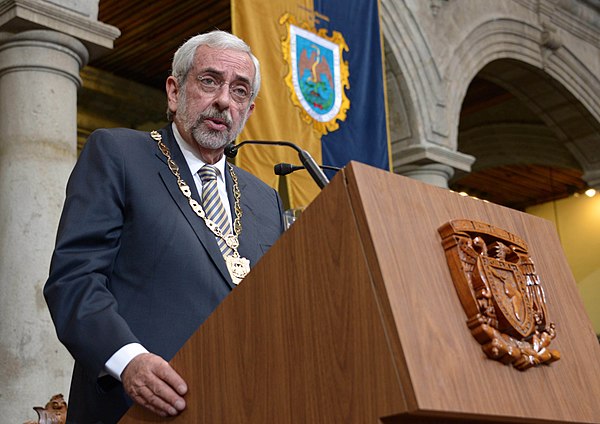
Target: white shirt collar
<point>192,158</point>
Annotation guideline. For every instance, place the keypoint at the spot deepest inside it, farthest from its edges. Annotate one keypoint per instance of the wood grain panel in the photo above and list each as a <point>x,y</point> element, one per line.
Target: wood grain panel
<point>300,340</point>
<point>352,317</point>
<point>450,374</point>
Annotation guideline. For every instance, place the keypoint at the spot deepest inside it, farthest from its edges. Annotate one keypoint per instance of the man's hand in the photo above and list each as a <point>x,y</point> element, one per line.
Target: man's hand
<point>150,381</point>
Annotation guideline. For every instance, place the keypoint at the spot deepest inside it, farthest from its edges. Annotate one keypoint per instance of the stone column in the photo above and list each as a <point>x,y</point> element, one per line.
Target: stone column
<point>430,163</point>
<point>39,77</point>
<point>43,46</point>
<point>435,174</point>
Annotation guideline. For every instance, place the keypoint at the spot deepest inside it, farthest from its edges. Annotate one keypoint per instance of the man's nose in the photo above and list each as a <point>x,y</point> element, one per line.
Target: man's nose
<point>223,97</point>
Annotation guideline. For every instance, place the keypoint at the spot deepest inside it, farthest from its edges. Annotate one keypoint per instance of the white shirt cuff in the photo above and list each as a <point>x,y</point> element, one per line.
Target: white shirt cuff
<point>121,358</point>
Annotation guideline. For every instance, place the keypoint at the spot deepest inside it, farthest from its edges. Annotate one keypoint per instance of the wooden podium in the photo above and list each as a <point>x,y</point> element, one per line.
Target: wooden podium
<point>352,317</point>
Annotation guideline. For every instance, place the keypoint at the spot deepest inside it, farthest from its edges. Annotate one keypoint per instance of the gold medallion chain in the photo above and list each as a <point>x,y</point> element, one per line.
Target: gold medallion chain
<point>232,240</point>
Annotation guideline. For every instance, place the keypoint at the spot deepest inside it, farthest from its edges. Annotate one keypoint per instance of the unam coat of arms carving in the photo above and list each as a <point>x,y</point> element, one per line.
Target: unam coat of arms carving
<point>501,293</point>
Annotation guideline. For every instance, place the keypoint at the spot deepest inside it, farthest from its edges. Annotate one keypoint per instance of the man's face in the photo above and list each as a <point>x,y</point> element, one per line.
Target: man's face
<point>212,117</point>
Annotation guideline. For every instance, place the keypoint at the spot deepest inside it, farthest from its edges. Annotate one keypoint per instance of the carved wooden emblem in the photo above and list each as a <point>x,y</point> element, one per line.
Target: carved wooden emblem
<point>55,411</point>
<point>501,293</point>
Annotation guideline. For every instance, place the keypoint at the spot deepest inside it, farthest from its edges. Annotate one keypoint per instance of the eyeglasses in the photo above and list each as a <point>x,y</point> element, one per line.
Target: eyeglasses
<point>239,91</point>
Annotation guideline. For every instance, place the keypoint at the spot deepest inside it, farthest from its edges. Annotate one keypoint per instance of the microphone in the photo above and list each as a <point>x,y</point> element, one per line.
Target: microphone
<point>288,168</point>
<point>309,163</point>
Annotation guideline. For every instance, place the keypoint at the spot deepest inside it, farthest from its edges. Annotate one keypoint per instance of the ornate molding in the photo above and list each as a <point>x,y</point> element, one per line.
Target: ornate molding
<point>431,153</point>
<point>550,39</point>
<point>436,5</point>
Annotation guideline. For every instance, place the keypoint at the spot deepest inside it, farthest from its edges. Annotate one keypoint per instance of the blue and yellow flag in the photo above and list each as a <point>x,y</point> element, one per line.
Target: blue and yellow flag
<point>323,86</point>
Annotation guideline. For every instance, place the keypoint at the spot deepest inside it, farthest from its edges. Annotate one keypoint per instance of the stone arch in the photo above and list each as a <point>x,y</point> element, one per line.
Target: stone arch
<point>571,106</point>
<point>524,136</point>
<point>416,70</point>
<point>415,87</point>
<point>489,41</point>
<point>404,126</point>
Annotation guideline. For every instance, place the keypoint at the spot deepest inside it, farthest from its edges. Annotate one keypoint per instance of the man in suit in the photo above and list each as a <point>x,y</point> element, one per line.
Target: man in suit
<point>136,267</point>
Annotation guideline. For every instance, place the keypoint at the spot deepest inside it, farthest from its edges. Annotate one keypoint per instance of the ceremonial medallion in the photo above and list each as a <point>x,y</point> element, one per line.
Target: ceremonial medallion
<point>238,268</point>
<point>501,293</point>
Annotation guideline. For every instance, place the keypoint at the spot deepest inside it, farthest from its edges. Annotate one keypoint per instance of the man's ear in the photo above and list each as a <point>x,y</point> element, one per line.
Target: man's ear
<point>251,109</point>
<point>172,89</point>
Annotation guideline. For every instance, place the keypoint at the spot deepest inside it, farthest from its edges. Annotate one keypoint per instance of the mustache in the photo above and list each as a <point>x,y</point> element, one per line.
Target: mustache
<point>214,114</point>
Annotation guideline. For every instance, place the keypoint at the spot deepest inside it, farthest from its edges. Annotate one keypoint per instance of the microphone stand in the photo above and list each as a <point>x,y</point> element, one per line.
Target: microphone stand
<point>288,168</point>
<point>309,163</point>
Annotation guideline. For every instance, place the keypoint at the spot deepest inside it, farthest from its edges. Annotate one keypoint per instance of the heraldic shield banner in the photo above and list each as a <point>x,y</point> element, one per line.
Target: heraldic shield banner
<point>322,87</point>
<point>315,70</point>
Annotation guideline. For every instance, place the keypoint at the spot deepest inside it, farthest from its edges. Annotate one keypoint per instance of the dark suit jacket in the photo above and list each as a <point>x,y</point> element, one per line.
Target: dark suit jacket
<point>134,263</point>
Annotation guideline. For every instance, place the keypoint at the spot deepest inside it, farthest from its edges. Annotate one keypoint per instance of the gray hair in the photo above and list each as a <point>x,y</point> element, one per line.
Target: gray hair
<point>183,59</point>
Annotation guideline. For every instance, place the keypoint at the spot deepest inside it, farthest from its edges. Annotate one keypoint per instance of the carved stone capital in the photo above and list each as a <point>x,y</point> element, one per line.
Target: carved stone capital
<point>430,153</point>
<point>43,51</point>
<point>24,15</point>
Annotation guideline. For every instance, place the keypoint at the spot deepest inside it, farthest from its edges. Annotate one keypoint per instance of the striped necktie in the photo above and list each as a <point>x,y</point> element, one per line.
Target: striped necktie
<point>212,205</point>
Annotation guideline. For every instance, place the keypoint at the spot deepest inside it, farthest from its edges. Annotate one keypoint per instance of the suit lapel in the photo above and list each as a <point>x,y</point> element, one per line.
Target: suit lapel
<point>205,236</point>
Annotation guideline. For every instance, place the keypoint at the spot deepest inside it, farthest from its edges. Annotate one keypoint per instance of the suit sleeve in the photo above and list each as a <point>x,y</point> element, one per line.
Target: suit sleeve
<point>84,311</point>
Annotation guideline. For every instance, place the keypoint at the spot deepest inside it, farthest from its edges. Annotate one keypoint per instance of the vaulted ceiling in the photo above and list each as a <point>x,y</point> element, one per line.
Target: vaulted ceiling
<point>495,122</point>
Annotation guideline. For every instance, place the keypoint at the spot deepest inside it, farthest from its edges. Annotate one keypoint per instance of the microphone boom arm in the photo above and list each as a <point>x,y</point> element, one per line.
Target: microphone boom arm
<point>309,163</point>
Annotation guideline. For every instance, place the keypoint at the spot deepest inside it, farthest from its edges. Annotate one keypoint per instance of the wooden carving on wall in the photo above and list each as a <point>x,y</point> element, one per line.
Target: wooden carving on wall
<point>55,411</point>
<point>502,295</point>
